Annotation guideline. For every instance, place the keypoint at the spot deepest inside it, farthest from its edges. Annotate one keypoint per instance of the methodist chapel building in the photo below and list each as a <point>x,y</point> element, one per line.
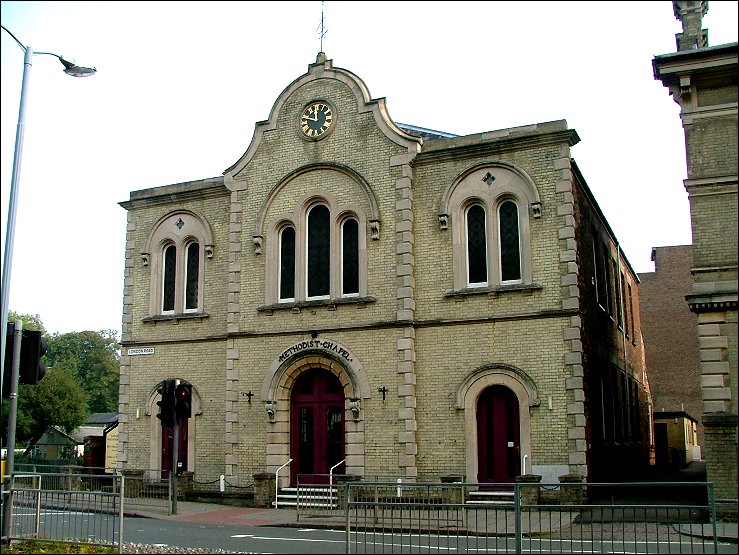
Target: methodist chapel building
<point>363,297</point>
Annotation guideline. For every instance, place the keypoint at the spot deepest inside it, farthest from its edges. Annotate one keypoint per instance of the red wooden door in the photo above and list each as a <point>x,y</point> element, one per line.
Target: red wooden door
<point>316,426</point>
<point>498,446</point>
<point>168,447</point>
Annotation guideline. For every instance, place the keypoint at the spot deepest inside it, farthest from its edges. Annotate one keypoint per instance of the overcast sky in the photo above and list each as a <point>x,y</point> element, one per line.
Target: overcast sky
<point>180,86</point>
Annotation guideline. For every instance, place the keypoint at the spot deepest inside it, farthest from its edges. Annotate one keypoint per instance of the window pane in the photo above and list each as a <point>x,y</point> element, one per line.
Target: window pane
<point>191,278</point>
<point>319,262</point>
<point>350,257</point>
<point>510,255</point>
<point>287,263</point>
<point>168,278</point>
<point>477,263</point>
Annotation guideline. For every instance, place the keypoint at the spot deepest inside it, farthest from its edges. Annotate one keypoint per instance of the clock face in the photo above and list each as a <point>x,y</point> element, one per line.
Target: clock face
<point>316,119</point>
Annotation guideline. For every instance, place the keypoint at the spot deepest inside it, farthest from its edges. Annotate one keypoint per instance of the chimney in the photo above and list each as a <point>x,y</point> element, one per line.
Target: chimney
<point>690,13</point>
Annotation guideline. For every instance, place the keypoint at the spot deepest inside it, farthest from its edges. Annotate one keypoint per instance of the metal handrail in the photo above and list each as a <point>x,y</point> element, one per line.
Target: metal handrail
<point>331,480</point>
<point>277,479</point>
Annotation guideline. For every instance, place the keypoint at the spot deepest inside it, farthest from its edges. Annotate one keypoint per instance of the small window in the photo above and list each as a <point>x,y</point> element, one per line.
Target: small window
<point>319,252</point>
<point>616,293</point>
<point>607,282</point>
<point>510,248</point>
<point>287,265</point>
<point>624,305</point>
<point>633,316</point>
<point>350,258</point>
<point>477,265</point>
<point>169,278</point>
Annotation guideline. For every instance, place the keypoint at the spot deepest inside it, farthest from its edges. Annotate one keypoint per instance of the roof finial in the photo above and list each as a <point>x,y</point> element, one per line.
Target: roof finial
<point>321,30</point>
<point>690,14</point>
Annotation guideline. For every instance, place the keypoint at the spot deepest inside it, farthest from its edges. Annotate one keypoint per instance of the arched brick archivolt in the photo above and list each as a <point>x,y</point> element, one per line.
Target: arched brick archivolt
<point>155,431</point>
<point>468,393</point>
<point>277,385</point>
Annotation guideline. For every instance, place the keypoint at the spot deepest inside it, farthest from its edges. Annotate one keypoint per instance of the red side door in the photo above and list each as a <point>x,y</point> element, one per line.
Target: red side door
<point>498,445</point>
<point>168,447</point>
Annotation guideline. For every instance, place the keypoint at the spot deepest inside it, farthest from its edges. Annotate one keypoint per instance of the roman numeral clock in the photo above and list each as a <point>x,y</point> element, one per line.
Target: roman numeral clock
<point>316,119</point>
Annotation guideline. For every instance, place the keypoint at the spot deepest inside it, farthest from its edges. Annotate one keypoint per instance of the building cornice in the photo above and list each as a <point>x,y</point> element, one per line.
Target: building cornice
<point>177,193</point>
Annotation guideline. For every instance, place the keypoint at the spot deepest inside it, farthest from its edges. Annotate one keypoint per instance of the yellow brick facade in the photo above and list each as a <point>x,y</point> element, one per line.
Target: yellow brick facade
<point>413,352</point>
<point>702,80</point>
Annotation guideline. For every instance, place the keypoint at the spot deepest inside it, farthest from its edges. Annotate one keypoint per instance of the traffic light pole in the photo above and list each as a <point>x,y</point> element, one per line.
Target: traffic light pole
<point>12,418</point>
<point>175,458</point>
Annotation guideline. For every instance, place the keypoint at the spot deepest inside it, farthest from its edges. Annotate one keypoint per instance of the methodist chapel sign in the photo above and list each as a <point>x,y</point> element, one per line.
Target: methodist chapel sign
<point>324,344</point>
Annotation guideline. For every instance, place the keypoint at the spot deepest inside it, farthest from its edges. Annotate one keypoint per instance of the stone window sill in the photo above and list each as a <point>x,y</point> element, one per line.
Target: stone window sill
<point>176,317</point>
<point>330,304</point>
<point>493,290</point>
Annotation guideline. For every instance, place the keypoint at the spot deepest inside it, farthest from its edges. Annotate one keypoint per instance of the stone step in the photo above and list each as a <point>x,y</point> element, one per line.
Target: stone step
<point>310,496</point>
<point>491,497</point>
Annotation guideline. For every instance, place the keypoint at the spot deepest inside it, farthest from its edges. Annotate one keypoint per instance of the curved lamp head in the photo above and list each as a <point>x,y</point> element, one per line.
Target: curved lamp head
<point>75,70</point>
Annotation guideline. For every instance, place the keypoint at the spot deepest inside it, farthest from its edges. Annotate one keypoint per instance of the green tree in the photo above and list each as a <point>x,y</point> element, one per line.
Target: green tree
<point>57,400</point>
<point>30,322</point>
<point>93,357</point>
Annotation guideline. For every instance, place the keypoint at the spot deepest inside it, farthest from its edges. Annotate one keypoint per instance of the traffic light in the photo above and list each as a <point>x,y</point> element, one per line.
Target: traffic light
<point>183,401</point>
<point>166,403</point>
<point>33,348</point>
<point>30,370</point>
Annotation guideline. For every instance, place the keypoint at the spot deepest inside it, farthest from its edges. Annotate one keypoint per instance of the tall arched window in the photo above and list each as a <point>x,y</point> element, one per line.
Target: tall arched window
<point>477,261</point>
<point>319,252</point>
<point>510,244</point>
<point>286,277</point>
<point>192,274</point>
<point>350,258</point>
<point>169,272</point>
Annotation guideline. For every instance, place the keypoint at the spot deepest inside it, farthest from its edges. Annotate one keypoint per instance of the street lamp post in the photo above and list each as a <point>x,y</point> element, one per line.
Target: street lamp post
<point>69,69</point>
<point>74,71</point>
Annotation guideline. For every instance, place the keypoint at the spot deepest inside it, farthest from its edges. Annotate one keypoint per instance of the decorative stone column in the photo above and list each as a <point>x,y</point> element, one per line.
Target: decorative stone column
<point>571,494</point>
<point>529,488</point>
<point>264,489</point>
<point>341,481</point>
<point>453,494</point>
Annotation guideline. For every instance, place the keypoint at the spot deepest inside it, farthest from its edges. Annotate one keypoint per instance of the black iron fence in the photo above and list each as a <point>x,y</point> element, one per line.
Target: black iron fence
<point>530,518</point>
<point>44,507</point>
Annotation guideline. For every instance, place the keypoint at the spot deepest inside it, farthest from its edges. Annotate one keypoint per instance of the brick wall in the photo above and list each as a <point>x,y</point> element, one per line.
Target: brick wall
<point>671,334</point>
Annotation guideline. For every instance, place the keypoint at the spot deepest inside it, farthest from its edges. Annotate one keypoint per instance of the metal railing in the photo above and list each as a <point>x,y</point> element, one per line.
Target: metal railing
<point>81,516</point>
<point>277,481</point>
<point>530,518</point>
<point>145,487</point>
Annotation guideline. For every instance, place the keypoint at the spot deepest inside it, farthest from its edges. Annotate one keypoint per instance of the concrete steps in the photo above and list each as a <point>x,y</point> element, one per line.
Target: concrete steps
<point>487,498</point>
<point>317,496</point>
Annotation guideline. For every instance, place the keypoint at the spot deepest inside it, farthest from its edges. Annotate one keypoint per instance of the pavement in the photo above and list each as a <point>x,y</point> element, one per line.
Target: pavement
<point>211,513</point>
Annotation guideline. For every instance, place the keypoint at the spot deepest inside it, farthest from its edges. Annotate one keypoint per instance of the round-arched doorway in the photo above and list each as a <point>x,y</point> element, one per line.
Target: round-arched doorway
<point>498,442</point>
<point>316,426</point>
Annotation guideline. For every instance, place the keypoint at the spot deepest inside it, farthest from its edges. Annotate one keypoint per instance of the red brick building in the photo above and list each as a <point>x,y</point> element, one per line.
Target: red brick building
<point>671,333</point>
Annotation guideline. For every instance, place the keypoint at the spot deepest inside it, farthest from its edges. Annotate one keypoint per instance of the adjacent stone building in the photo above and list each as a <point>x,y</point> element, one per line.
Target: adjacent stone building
<point>363,297</point>
<point>702,79</point>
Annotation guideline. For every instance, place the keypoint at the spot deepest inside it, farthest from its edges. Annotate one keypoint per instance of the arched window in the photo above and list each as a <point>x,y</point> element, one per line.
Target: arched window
<point>350,258</point>
<point>175,250</point>
<point>487,211</point>
<point>510,245</point>
<point>319,252</point>
<point>476,236</point>
<point>192,276</point>
<point>286,275</point>
<point>169,272</point>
